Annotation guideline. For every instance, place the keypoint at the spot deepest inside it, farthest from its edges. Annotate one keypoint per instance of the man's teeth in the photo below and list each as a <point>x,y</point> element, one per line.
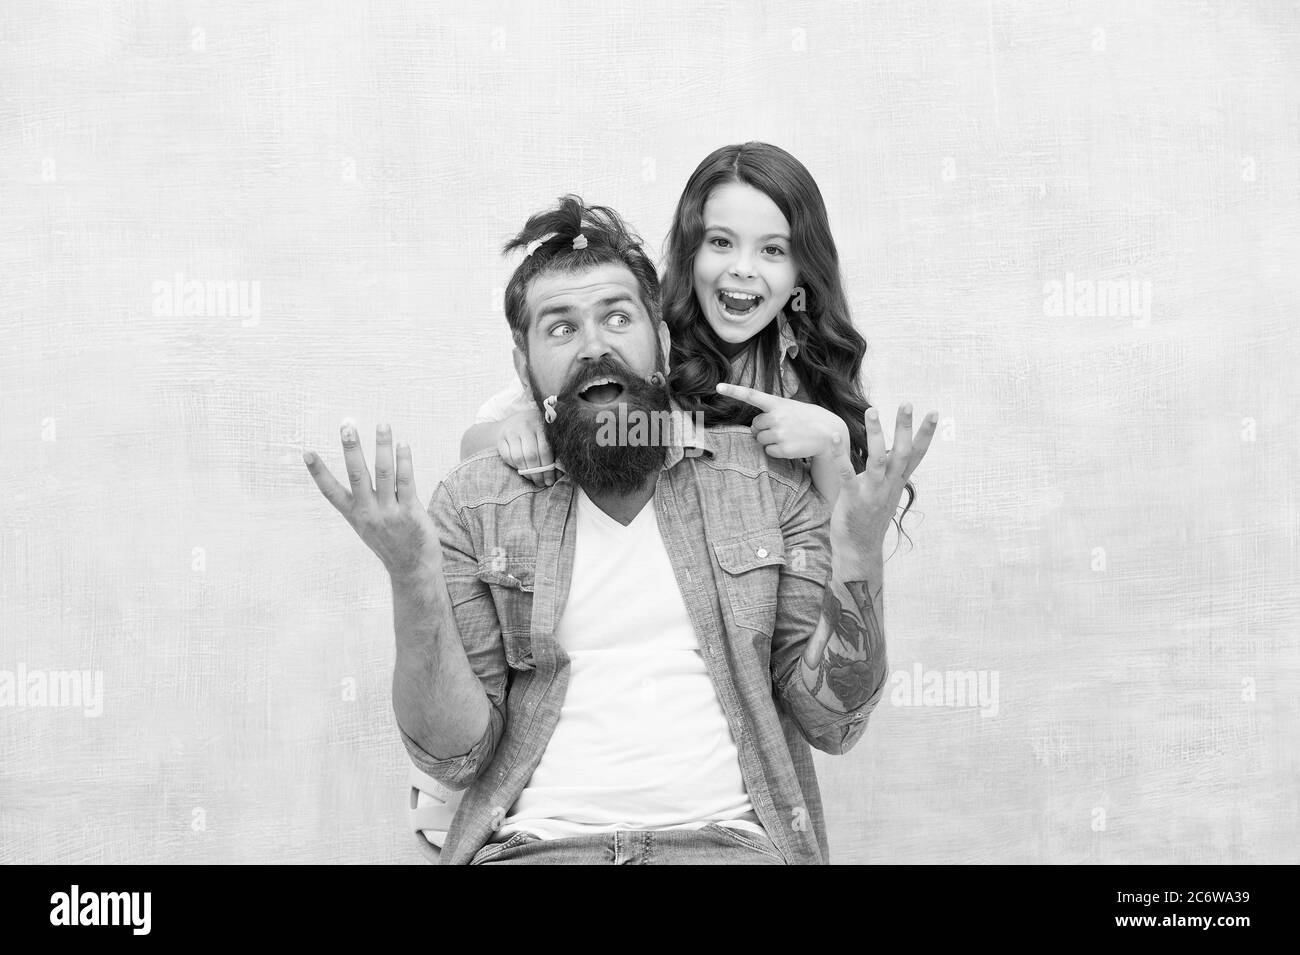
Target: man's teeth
<point>601,390</point>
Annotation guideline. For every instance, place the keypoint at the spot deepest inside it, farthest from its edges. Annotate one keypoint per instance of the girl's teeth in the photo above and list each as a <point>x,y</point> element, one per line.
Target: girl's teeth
<point>738,304</point>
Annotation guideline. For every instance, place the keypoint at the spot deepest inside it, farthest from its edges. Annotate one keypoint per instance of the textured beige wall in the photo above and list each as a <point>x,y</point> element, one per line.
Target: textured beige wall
<point>1109,512</point>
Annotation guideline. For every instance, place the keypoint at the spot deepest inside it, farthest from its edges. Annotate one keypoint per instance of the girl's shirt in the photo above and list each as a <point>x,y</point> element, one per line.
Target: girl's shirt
<point>747,369</point>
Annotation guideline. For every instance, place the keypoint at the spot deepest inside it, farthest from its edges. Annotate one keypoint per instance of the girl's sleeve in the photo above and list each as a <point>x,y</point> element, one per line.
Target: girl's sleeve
<point>503,404</point>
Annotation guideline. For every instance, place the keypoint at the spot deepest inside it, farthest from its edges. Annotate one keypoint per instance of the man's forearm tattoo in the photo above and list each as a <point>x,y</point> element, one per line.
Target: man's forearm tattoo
<point>851,669</point>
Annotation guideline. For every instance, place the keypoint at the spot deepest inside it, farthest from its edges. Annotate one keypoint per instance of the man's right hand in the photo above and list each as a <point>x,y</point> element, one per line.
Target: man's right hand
<point>389,516</point>
<point>522,445</point>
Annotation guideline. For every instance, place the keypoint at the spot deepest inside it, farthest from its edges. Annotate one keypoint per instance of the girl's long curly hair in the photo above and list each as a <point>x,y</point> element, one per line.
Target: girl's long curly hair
<point>829,359</point>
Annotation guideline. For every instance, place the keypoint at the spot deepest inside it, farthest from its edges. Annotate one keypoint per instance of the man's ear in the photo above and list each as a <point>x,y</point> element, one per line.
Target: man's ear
<point>521,369</point>
<point>666,343</point>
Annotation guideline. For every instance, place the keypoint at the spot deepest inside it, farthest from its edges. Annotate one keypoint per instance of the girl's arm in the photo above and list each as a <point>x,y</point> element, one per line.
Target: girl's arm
<point>479,437</point>
<point>510,424</point>
<point>490,421</point>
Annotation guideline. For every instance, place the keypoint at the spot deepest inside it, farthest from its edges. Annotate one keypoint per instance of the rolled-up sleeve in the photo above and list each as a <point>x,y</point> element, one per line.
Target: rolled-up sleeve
<point>804,580</point>
<point>480,634</point>
<point>457,772</point>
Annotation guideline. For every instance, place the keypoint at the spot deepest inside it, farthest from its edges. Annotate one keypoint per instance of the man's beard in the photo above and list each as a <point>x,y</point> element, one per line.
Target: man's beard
<point>620,467</point>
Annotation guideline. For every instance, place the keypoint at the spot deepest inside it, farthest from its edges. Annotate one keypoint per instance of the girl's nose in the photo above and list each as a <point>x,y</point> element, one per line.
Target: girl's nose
<point>742,266</point>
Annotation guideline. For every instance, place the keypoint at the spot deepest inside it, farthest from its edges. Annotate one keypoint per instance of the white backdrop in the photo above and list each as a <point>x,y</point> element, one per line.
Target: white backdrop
<point>1107,521</point>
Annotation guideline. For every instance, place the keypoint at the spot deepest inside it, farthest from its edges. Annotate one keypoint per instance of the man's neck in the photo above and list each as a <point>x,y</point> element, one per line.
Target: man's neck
<point>625,506</point>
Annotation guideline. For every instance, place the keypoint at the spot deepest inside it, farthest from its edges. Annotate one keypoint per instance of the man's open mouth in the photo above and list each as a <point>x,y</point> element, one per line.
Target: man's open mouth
<point>601,391</point>
<point>739,304</point>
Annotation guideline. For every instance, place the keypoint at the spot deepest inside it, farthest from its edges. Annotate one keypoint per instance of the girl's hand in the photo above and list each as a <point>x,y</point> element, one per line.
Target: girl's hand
<point>523,445</point>
<point>791,429</point>
<point>867,501</point>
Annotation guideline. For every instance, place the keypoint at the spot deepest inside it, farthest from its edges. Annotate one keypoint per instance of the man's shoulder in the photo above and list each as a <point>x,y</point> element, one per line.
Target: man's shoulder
<point>734,448</point>
<point>485,478</point>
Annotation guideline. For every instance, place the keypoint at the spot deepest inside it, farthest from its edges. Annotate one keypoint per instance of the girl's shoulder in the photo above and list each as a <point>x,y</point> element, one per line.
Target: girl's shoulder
<point>504,403</point>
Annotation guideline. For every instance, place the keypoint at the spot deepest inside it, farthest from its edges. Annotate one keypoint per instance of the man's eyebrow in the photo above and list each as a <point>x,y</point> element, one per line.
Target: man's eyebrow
<point>618,299</point>
<point>723,228</point>
<point>552,311</point>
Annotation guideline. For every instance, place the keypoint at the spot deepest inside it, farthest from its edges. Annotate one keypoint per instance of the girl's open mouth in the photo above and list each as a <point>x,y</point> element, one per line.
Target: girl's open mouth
<point>602,391</point>
<point>739,304</point>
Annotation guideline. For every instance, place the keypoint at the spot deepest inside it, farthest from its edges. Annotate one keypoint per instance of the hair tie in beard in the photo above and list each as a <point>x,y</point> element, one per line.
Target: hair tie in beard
<point>549,405</point>
<point>657,379</point>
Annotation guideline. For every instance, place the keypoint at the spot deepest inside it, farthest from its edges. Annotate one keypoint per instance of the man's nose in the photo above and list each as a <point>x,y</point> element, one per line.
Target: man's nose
<point>593,345</point>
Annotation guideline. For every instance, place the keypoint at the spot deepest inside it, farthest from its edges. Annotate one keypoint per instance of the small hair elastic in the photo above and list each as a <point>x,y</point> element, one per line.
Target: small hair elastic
<point>538,470</point>
<point>580,242</point>
<point>549,405</point>
<point>538,243</point>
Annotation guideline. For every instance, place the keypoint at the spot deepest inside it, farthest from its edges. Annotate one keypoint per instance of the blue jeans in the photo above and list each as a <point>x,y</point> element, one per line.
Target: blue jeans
<point>712,845</point>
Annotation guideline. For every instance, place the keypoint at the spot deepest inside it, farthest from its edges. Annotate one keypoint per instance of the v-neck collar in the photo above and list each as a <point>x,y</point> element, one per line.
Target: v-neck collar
<point>599,513</point>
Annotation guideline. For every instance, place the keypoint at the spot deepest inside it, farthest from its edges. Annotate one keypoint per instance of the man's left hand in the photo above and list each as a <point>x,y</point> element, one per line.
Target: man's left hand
<point>867,501</point>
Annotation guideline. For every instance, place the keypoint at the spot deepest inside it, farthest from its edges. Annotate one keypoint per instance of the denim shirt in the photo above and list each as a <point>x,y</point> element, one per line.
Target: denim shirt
<point>746,535</point>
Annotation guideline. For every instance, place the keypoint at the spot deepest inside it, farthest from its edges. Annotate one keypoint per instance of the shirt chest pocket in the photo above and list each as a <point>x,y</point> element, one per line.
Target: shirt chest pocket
<point>751,574</point>
<point>511,586</point>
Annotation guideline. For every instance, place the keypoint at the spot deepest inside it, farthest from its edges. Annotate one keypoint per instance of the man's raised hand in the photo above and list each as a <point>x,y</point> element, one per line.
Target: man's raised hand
<point>388,517</point>
<point>867,501</point>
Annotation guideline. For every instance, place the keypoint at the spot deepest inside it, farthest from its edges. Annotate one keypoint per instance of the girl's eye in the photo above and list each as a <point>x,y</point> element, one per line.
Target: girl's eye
<point>719,239</point>
<point>774,250</point>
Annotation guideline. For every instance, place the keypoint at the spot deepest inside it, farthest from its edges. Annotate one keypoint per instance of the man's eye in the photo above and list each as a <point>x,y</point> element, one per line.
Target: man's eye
<point>559,329</point>
<point>619,318</point>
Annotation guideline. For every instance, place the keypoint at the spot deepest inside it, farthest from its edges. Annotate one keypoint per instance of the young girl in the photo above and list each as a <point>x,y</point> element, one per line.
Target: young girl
<point>754,303</point>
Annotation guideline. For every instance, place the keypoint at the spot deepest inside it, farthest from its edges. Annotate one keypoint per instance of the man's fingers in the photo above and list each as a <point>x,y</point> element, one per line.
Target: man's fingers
<point>355,462</point>
<point>902,449</point>
<point>406,492</point>
<point>759,399</point>
<point>844,465</point>
<point>921,443</point>
<point>875,441</point>
<point>334,492</point>
<point>384,466</point>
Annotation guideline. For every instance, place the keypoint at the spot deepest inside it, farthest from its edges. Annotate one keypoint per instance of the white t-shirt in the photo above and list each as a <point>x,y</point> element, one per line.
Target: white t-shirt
<point>642,741</point>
